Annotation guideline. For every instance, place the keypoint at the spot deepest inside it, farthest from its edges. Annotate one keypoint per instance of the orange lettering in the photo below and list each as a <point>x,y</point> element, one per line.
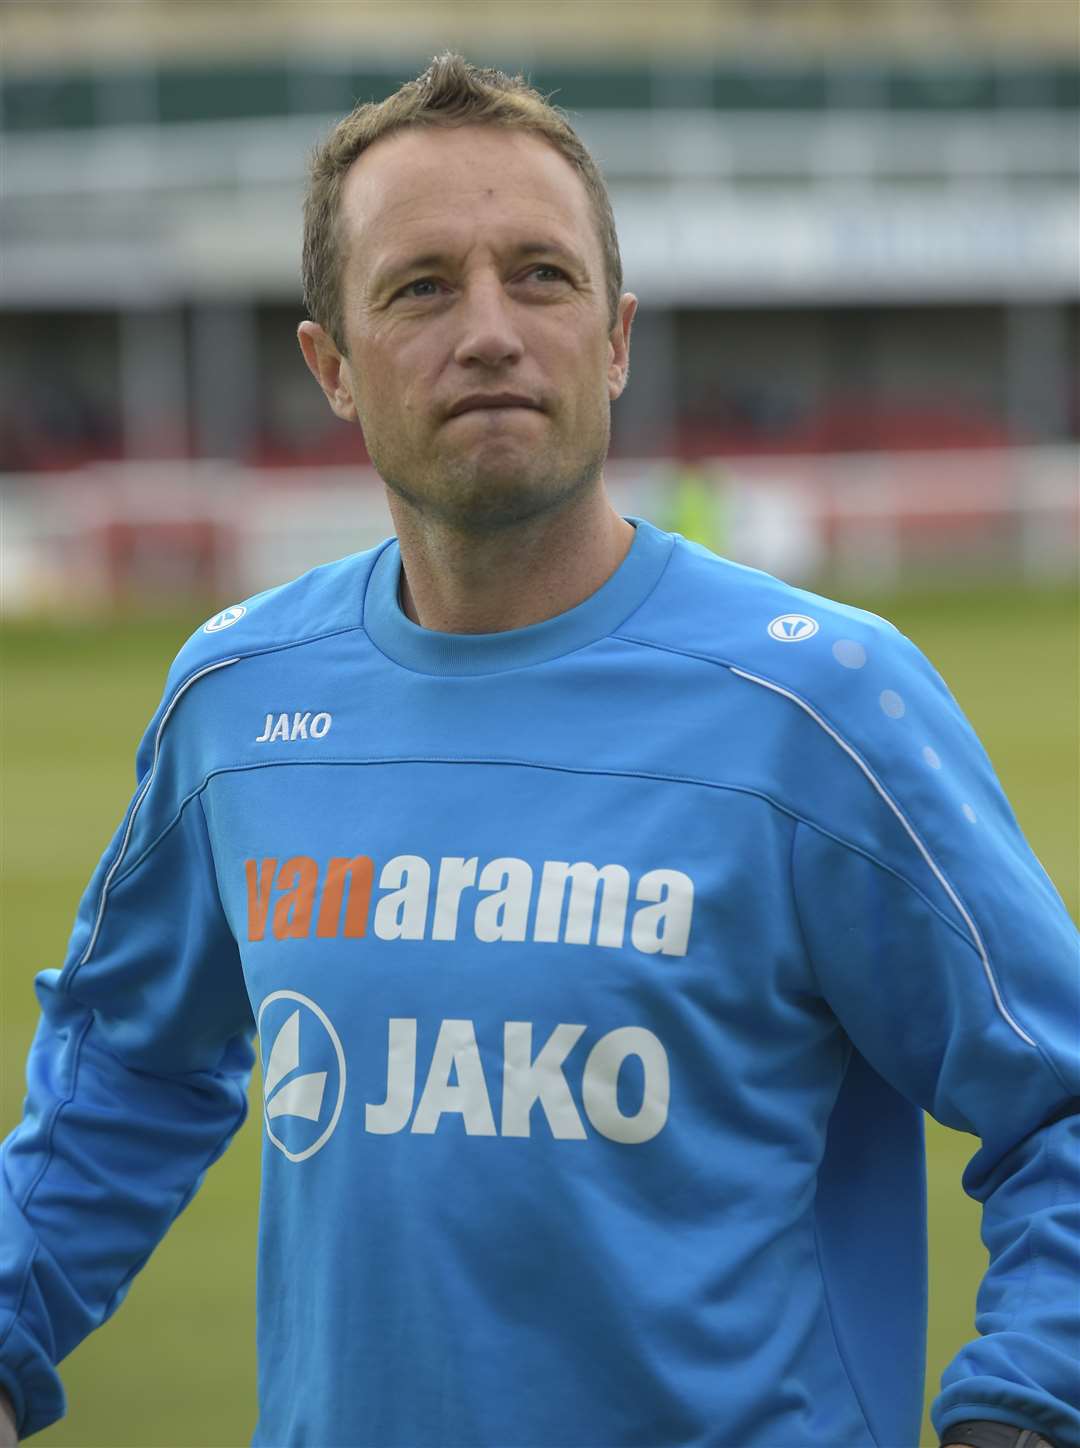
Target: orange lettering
<point>292,913</point>
<point>259,877</point>
<point>360,872</point>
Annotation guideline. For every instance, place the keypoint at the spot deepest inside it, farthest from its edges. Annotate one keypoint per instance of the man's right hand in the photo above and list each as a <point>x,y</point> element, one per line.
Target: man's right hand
<point>8,1435</point>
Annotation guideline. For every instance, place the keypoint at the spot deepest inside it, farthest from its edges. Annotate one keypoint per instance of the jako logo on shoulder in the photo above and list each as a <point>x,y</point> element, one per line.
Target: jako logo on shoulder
<point>225,619</point>
<point>793,628</point>
<point>295,726</point>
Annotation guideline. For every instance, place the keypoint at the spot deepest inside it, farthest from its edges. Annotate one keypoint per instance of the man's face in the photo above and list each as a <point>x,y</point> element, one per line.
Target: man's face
<point>472,267</point>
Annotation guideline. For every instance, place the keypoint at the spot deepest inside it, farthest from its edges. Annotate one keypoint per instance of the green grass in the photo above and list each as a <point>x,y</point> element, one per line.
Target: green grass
<point>176,1365</point>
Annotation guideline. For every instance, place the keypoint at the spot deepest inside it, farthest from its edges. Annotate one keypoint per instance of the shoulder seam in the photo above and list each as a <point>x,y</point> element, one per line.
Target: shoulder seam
<point>625,638</point>
<point>144,787</point>
<point>797,819</point>
<point>911,832</point>
<point>136,805</point>
<point>916,839</point>
<point>274,648</point>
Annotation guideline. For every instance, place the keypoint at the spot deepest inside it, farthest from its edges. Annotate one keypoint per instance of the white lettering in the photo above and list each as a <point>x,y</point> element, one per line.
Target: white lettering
<point>664,927</point>
<point>456,1084</point>
<point>504,914</point>
<point>600,1085</point>
<point>455,1051</point>
<point>455,874</point>
<point>526,1081</point>
<point>402,914</point>
<point>301,725</point>
<point>394,1112</point>
<point>584,880</point>
<point>566,908</point>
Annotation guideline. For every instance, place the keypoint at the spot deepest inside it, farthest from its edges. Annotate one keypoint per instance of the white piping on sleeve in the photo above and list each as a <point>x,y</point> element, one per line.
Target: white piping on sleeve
<point>923,851</point>
<point>143,791</point>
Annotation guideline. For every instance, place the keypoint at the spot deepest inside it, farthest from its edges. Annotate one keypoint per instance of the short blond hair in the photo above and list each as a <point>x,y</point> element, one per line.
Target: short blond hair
<point>451,92</point>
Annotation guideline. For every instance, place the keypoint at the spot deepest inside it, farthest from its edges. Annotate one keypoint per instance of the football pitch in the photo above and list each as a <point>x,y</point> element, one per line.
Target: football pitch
<point>176,1365</point>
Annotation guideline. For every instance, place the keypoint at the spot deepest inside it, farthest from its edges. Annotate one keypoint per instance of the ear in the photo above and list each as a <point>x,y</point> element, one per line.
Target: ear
<point>329,369</point>
<point>619,341</point>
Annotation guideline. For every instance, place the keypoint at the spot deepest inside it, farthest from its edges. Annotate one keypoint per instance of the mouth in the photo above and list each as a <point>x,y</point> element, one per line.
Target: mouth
<point>499,402</point>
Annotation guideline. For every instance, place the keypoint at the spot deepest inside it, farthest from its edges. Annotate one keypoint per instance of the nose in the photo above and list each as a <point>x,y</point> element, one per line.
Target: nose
<point>489,332</point>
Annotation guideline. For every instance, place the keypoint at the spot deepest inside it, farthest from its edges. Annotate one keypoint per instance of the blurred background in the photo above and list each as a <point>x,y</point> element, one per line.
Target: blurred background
<point>854,230</point>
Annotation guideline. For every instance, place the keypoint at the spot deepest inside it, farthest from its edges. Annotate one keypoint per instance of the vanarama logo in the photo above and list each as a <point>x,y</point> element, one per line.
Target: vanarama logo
<point>456,898</point>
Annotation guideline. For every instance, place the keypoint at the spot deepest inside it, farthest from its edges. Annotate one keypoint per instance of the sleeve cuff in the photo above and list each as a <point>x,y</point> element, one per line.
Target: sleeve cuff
<point>31,1382</point>
<point>986,1433</point>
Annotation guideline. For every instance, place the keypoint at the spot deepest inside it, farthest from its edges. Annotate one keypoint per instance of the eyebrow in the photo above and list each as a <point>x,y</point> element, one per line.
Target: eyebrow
<point>395,270</point>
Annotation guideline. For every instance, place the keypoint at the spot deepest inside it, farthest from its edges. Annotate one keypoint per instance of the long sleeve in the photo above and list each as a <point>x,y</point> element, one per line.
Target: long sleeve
<point>953,967</point>
<point>136,1079</point>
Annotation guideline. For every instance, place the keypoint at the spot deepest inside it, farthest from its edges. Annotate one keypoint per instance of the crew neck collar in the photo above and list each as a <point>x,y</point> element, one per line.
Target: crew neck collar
<point>429,651</point>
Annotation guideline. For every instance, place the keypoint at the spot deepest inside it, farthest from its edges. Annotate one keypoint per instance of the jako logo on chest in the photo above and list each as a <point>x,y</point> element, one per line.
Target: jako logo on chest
<point>295,726</point>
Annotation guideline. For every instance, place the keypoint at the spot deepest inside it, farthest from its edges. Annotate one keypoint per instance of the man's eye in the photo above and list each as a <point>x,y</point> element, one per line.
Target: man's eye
<point>408,289</point>
<point>420,282</point>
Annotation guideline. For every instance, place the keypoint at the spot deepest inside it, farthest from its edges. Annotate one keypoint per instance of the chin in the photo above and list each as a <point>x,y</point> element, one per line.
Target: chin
<point>490,488</point>
<point>484,505</point>
<point>493,508</point>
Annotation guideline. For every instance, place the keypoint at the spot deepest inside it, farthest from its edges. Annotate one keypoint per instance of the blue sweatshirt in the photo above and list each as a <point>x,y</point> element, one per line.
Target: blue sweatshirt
<point>600,970</point>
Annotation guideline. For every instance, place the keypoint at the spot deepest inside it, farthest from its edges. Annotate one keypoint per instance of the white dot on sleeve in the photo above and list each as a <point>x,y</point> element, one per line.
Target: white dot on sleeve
<point>892,704</point>
<point>849,653</point>
<point>932,757</point>
<point>969,813</point>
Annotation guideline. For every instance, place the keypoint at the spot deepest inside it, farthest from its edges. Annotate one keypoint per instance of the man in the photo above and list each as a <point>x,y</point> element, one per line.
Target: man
<point>607,914</point>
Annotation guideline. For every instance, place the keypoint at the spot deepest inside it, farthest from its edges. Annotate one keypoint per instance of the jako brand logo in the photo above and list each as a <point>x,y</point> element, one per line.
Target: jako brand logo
<point>623,1084</point>
<point>225,619</point>
<point>295,726</point>
<point>793,628</point>
<point>628,1108</point>
<point>457,898</point>
<point>304,1075</point>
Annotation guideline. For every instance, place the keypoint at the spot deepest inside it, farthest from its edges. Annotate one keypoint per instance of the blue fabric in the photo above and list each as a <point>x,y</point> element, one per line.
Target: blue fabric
<point>600,971</point>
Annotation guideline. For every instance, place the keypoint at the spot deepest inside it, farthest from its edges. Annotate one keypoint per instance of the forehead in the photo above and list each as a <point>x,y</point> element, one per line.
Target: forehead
<point>439,184</point>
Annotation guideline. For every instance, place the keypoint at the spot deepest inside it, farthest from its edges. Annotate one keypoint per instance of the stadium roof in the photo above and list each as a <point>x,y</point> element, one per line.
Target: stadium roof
<point>36,32</point>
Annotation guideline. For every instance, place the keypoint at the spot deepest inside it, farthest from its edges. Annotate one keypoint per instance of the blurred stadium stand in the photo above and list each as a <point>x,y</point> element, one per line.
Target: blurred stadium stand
<point>854,231</point>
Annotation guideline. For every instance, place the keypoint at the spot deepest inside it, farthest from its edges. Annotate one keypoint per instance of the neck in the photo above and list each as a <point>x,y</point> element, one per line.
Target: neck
<point>469,583</point>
